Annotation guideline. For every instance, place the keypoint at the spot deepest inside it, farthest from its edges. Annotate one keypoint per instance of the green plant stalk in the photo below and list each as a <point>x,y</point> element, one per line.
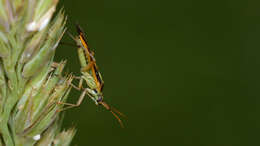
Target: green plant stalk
<point>31,86</point>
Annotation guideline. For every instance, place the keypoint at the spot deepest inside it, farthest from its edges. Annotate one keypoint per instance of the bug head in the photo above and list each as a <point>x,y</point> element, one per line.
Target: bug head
<point>96,96</point>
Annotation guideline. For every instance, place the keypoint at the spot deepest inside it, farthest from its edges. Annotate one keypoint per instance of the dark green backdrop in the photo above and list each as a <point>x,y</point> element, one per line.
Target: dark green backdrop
<point>186,73</point>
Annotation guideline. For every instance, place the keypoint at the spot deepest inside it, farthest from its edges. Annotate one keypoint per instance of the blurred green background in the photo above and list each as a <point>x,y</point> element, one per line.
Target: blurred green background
<point>186,73</point>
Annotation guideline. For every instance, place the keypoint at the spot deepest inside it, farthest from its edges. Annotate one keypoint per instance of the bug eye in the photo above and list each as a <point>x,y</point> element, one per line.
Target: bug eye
<point>100,98</point>
<point>95,90</point>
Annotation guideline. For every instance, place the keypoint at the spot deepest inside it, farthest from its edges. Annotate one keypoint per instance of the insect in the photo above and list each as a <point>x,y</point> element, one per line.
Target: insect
<point>92,77</point>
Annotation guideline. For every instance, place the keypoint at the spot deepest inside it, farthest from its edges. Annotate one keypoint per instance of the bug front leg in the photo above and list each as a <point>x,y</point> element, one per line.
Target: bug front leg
<point>79,87</point>
<point>71,105</point>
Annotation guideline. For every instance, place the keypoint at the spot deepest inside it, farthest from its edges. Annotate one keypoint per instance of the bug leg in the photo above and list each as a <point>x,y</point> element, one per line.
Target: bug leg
<point>71,105</point>
<point>77,77</point>
<point>79,87</point>
<point>88,67</point>
<point>55,64</point>
<point>75,87</point>
<point>92,53</point>
<point>91,97</point>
